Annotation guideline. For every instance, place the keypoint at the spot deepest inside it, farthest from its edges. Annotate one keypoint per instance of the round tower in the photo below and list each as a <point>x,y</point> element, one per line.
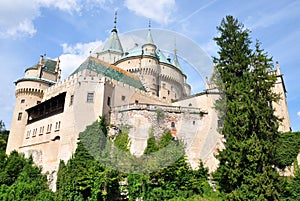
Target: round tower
<point>29,92</point>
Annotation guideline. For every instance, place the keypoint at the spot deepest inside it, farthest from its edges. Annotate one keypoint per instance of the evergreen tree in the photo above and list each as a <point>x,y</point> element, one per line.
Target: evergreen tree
<point>246,170</point>
<point>84,177</point>
<point>20,180</point>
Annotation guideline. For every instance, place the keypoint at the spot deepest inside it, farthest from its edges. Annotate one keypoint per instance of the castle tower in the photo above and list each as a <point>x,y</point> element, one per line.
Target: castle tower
<point>29,92</point>
<point>150,68</point>
<point>112,50</point>
<point>280,107</point>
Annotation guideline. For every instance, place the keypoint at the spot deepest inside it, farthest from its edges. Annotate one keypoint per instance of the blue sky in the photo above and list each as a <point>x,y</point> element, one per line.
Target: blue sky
<point>69,29</point>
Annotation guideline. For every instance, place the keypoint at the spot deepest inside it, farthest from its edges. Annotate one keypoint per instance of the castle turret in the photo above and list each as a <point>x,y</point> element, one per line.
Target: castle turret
<point>29,92</point>
<point>280,107</point>
<point>112,50</point>
<point>149,48</point>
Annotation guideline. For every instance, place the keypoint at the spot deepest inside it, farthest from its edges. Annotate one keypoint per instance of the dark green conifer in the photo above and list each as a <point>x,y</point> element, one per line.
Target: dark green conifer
<point>246,170</point>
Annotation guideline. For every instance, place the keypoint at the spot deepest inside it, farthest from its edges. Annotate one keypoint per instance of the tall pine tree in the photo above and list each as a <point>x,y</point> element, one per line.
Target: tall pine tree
<point>246,170</point>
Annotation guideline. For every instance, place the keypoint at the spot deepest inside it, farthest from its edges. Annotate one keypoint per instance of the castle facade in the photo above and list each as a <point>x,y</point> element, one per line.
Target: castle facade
<point>127,88</point>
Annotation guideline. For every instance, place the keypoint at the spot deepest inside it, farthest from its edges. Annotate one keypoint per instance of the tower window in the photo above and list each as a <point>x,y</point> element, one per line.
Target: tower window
<point>194,122</point>
<point>71,99</point>
<point>168,92</point>
<point>108,101</point>
<point>23,101</point>
<point>190,104</point>
<point>20,116</point>
<point>123,98</point>
<point>90,98</point>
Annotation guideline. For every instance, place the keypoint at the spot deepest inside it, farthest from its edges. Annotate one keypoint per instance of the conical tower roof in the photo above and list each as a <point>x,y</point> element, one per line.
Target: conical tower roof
<point>113,43</point>
<point>149,39</point>
<point>175,60</point>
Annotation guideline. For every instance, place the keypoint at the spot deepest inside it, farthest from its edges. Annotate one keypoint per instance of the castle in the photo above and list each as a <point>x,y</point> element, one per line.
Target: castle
<point>127,88</point>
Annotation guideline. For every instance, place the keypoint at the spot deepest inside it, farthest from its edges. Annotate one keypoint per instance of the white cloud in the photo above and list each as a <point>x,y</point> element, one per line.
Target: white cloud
<point>17,17</point>
<point>298,113</point>
<point>159,11</point>
<point>74,55</point>
<point>65,5</point>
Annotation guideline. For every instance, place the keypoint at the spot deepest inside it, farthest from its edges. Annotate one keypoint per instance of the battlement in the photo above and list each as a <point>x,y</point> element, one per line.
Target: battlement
<point>155,107</point>
<point>27,91</point>
<point>90,76</point>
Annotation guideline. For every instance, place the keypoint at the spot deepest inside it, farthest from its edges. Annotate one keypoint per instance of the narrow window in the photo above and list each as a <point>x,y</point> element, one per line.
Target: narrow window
<point>71,99</point>
<point>164,97</point>
<point>190,104</point>
<point>34,132</point>
<point>28,134</point>
<point>90,98</point>
<point>194,122</point>
<point>23,101</point>
<point>19,116</point>
<point>108,101</point>
<point>136,102</point>
<point>168,92</point>
<point>49,128</point>
<point>41,130</point>
<point>172,124</point>
<point>57,126</point>
<point>123,98</point>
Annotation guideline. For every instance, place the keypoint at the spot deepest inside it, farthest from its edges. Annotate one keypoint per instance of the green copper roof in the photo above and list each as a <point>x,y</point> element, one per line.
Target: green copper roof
<point>149,38</point>
<point>113,43</point>
<point>50,82</point>
<point>48,64</point>
<point>162,57</point>
<point>110,71</point>
<point>137,51</point>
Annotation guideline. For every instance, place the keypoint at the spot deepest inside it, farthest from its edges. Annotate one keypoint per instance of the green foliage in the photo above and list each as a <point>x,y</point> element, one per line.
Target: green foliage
<point>291,190</point>
<point>160,115</point>
<point>287,149</point>
<point>21,180</point>
<point>162,142</point>
<point>246,170</point>
<point>3,137</point>
<point>177,182</point>
<point>84,177</point>
<point>122,140</point>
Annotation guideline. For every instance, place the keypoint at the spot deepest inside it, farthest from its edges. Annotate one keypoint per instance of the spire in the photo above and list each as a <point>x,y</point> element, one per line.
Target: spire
<point>113,43</point>
<point>149,36</point>
<point>278,71</point>
<point>115,23</point>
<point>175,60</point>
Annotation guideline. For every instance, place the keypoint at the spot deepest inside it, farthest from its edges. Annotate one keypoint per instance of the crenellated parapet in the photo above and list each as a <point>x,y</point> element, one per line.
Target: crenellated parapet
<point>29,91</point>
